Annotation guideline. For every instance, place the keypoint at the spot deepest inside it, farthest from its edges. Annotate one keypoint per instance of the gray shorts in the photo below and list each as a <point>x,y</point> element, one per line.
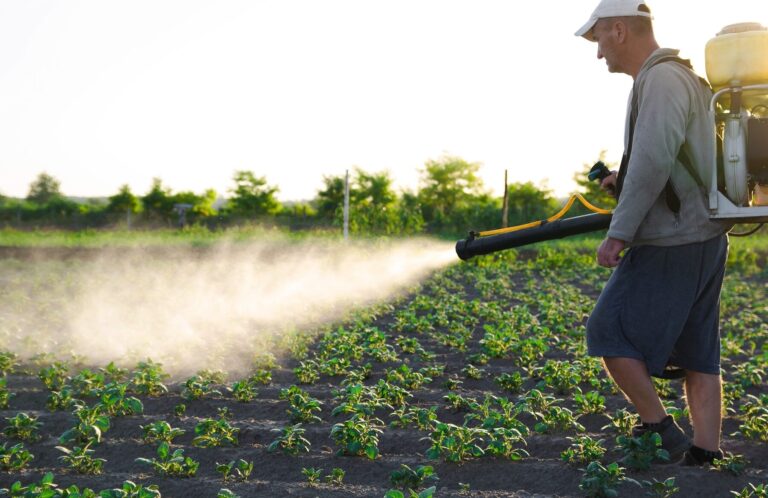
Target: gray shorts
<point>661,305</point>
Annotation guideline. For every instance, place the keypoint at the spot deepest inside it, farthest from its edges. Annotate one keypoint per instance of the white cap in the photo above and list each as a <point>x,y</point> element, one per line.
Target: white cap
<point>613,8</point>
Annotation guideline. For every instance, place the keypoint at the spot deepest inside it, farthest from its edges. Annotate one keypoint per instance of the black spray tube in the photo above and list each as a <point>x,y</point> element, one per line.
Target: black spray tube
<point>471,246</point>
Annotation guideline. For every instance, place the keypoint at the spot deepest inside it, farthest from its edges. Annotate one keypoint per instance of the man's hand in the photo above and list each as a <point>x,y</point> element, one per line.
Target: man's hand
<point>609,183</point>
<point>608,252</point>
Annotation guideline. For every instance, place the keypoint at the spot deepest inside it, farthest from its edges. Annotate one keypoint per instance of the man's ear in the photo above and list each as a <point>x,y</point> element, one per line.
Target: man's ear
<point>621,31</point>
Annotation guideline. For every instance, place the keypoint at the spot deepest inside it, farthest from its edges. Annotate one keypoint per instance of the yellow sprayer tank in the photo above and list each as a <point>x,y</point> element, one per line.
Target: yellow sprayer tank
<point>738,56</point>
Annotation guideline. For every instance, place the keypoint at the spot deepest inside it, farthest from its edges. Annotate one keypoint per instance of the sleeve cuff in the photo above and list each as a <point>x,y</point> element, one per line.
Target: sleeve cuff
<point>620,235</point>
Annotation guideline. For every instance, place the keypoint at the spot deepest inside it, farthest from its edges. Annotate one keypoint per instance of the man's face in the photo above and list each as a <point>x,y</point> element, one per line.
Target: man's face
<point>607,48</point>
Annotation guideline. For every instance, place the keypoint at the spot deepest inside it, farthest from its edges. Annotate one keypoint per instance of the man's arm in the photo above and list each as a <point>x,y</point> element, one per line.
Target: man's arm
<point>659,133</point>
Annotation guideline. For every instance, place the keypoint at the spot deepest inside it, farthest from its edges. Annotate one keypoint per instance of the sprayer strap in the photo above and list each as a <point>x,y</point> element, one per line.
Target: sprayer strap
<point>552,218</point>
<point>673,201</point>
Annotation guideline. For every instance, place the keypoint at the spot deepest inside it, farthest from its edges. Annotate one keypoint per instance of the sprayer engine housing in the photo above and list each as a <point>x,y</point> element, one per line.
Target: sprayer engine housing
<point>737,68</point>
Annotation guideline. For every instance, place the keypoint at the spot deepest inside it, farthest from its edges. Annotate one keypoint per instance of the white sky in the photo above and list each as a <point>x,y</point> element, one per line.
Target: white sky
<point>99,93</point>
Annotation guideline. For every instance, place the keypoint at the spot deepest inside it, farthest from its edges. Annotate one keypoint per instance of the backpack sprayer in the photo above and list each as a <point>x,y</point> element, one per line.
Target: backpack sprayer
<point>737,69</point>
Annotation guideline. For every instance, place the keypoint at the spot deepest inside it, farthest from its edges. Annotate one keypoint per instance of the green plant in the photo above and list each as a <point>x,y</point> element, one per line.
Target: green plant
<point>661,489</point>
<point>63,399</point>
<point>239,470</point>
<point>244,390</point>
<point>215,432</point>
<point>452,383</point>
<point>160,431</point>
<point>81,460</point>
<point>421,418</point>
<point>171,464</point>
<point>406,477</point>
<point>510,382</point>
<point>426,493</point>
<point>91,425</point>
<point>733,464</point>
<point>113,373</point>
<point>640,452</point>
<point>148,379</point>
<point>336,477</point>
<point>752,491</point>
<point>8,362</point>
<point>622,421</point>
<point>455,443</point>
<point>406,378</point>
<point>199,386</point>
<point>15,457</point>
<point>302,405</point>
<point>392,394</point>
<point>559,375</point>
<point>180,409</point>
<point>307,372</point>
<point>116,402</point>
<point>129,489</point>
<point>601,481</point>
<point>5,394</point>
<point>261,376</point>
<point>226,493</point>
<point>557,419</point>
<point>291,440</point>
<point>23,427</point>
<point>312,474</point>
<point>43,489</point>
<point>87,383</point>
<point>472,372</point>
<point>358,435</point>
<point>457,402</point>
<point>54,376</point>
<point>505,442</point>
<point>583,450</point>
<point>591,402</point>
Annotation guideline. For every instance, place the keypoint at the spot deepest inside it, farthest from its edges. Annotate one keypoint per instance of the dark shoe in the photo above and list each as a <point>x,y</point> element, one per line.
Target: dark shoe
<point>673,438</point>
<point>696,457</point>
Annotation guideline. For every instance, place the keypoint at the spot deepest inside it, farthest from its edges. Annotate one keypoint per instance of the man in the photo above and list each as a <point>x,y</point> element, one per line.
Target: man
<point>660,308</point>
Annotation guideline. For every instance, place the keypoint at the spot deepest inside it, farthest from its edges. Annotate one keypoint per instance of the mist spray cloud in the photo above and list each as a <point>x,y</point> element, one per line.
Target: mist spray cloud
<point>214,308</point>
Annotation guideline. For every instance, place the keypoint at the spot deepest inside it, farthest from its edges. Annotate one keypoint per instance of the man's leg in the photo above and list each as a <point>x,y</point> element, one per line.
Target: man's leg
<point>704,396</point>
<point>633,379</point>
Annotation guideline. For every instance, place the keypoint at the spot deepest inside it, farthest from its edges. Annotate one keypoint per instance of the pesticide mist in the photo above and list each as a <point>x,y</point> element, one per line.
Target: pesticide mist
<point>198,308</point>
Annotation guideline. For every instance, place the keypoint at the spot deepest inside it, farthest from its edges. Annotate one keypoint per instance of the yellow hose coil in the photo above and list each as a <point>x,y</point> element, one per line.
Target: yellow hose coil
<point>555,217</point>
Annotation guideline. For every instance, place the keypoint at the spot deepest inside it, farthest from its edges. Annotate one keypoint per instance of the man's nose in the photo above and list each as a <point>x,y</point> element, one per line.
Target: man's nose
<point>599,53</point>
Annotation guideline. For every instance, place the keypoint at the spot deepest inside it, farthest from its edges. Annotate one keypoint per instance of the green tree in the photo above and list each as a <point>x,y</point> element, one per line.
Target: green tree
<point>449,182</point>
<point>374,189</point>
<point>44,189</point>
<point>527,202</point>
<point>449,185</point>
<point>373,204</point>
<point>124,201</point>
<point>330,198</point>
<point>202,205</point>
<point>158,202</point>
<point>252,196</point>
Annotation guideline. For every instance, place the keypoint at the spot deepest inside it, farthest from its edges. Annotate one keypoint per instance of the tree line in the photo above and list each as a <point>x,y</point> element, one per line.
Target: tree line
<point>451,199</point>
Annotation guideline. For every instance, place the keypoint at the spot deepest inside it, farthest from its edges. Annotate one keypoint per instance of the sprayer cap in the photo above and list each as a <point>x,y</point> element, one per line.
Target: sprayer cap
<point>614,8</point>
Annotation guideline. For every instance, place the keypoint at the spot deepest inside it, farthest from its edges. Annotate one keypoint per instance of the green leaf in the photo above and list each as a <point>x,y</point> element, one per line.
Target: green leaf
<point>427,493</point>
<point>394,493</point>
<point>163,450</point>
<point>372,452</point>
